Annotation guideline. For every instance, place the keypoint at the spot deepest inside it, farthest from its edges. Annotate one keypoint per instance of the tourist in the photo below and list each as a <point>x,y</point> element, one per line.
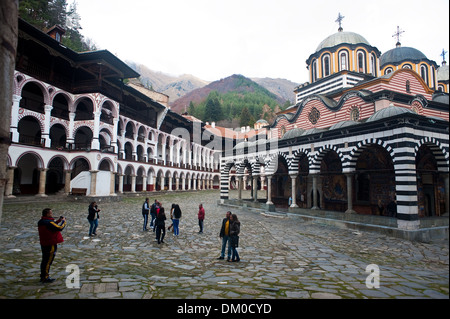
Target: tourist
<point>235,229</point>
<point>145,212</point>
<point>160,225</point>
<point>93,218</point>
<point>153,211</point>
<point>225,236</point>
<point>176,220</point>
<point>49,237</point>
<point>201,217</point>
<point>171,217</point>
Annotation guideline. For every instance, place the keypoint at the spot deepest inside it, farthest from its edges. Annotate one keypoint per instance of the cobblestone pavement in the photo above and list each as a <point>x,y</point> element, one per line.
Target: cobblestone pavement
<point>281,256</point>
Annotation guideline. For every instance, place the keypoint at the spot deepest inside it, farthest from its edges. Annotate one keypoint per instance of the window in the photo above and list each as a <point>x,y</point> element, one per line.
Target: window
<point>373,63</point>
<point>314,71</point>
<point>361,62</point>
<point>408,86</point>
<point>343,60</point>
<point>354,113</point>
<point>407,66</point>
<point>326,65</point>
<point>388,70</point>
<point>424,73</point>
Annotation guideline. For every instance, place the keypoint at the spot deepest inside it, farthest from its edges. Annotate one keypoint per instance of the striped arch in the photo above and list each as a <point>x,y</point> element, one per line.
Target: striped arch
<point>272,163</point>
<point>441,155</point>
<point>317,159</point>
<point>296,160</point>
<point>350,165</point>
<point>224,175</point>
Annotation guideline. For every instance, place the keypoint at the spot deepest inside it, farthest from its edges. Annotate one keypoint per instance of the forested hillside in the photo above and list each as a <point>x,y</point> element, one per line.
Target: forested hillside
<point>234,98</point>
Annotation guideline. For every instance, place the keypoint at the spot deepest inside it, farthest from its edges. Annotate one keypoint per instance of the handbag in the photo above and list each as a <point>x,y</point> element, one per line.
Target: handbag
<point>235,241</point>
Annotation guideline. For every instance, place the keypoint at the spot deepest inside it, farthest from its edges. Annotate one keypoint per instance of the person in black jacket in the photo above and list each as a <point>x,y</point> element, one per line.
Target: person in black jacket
<point>145,212</point>
<point>225,236</point>
<point>235,229</point>
<point>160,225</point>
<point>93,218</point>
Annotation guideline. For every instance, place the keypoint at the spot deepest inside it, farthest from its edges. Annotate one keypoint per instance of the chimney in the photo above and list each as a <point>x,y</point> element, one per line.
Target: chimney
<point>213,124</point>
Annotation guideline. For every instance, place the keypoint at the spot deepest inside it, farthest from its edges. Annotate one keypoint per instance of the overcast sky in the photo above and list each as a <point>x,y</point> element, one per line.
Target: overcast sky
<point>213,39</point>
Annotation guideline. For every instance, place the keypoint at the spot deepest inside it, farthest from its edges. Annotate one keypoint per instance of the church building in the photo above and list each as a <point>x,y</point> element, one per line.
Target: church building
<point>368,135</point>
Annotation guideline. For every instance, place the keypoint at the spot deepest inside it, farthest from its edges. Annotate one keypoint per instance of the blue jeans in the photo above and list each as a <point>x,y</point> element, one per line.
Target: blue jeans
<point>152,224</point>
<point>235,254</point>
<point>93,227</point>
<point>145,221</point>
<point>225,240</point>
<point>176,230</point>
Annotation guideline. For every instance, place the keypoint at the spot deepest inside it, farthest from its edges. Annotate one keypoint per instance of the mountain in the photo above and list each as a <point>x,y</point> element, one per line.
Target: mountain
<point>230,102</point>
<point>173,86</point>
<point>235,83</point>
<point>281,87</point>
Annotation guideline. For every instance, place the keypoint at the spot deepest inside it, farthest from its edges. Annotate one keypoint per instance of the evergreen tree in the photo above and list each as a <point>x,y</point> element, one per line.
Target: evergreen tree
<point>246,119</point>
<point>213,109</point>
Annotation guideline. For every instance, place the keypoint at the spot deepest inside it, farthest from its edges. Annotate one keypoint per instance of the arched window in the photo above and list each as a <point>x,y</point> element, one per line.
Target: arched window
<point>408,86</point>
<point>407,66</point>
<point>326,65</point>
<point>343,60</point>
<point>424,73</point>
<point>314,71</point>
<point>373,64</point>
<point>361,62</point>
<point>388,70</point>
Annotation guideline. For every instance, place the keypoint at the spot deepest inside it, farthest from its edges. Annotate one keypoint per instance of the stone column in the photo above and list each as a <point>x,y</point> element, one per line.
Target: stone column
<point>294,191</point>
<point>255,188</point>
<point>314,177</point>
<point>10,182</point>
<point>349,194</point>
<point>42,179</point>
<point>93,191</point>
<point>240,179</point>
<point>269,190</point>
<point>120,190</point>
<point>112,184</point>
<point>67,181</point>
<point>133,183</point>
<point>144,183</point>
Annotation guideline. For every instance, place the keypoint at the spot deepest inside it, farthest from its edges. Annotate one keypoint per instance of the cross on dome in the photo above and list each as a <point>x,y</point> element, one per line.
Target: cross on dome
<point>443,56</point>
<point>397,34</point>
<point>339,20</point>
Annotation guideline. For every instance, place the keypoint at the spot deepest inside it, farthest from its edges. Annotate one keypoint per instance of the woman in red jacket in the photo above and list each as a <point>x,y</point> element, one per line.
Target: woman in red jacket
<point>49,237</point>
<point>201,217</point>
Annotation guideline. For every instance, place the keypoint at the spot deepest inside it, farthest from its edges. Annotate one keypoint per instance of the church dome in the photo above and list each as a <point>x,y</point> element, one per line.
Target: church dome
<point>341,38</point>
<point>293,133</point>
<point>388,112</point>
<point>400,54</point>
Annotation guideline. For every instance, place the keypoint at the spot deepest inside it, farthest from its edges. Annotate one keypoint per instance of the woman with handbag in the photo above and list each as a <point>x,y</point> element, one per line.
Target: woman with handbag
<point>235,228</point>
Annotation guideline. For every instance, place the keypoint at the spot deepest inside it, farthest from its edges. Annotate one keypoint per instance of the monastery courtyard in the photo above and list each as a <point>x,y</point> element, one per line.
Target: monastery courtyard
<point>281,256</point>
